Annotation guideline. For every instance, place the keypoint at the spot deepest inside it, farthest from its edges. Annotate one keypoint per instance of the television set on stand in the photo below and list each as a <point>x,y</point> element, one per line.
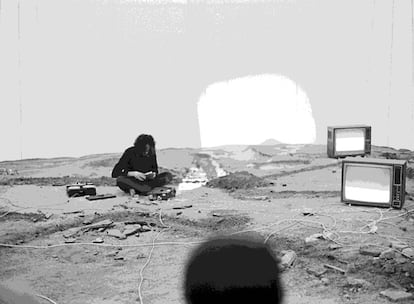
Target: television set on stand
<point>373,182</point>
<point>349,140</point>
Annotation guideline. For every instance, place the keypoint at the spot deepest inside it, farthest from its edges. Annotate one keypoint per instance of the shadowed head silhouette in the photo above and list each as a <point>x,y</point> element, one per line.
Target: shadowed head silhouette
<point>232,270</point>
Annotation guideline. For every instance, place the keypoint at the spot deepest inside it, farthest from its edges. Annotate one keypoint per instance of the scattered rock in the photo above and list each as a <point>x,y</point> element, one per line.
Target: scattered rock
<point>116,233</point>
<point>183,207</point>
<point>120,226</point>
<point>70,241</point>
<point>399,245</point>
<point>87,222</point>
<point>396,295</point>
<point>70,233</point>
<point>307,212</point>
<point>260,198</point>
<point>347,296</point>
<point>396,285</point>
<point>98,240</point>
<point>288,259</point>
<point>96,253</point>
<point>216,214</point>
<point>102,224</point>
<point>48,215</point>
<point>354,282</point>
<point>387,254</point>
<point>370,250</point>
<point>334,246</point>
<point>119,258</point>
<point>138,222</point>
<point>335,268</point>
<point>351,268</point>
<point>112,253</point>
<point>388,268</point>
<point>145,228</point>
<point>132,230</point>
<point>314,238</point>
<point>317,271</point>
<point>73,212</point>
<point>400,259</point>
<point>328,235</point>
<point>408,252</point>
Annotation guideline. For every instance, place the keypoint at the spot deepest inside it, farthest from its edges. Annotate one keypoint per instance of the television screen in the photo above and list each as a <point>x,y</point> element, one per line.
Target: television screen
<point>350,140</point>
<point>368,183</point>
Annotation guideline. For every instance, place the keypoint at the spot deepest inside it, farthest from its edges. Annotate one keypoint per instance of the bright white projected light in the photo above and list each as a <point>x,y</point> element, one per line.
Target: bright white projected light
<point>368,183</point>
<point>350,140</point>
<point>251,110</point>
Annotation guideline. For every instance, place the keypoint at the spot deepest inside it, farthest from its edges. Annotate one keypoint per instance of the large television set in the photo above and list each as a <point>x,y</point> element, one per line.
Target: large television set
<point>349,140</point>
<point>373,182</point>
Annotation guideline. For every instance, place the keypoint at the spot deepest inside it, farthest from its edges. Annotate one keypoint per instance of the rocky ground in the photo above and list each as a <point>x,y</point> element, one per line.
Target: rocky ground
<point>130,249</point>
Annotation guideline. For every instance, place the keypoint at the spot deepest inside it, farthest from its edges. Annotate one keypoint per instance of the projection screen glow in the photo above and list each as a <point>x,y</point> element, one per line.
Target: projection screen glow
<point>368,183</point>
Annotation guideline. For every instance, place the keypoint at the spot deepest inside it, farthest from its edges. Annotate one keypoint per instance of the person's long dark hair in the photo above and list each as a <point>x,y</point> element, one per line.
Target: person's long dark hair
<point>141,141</point>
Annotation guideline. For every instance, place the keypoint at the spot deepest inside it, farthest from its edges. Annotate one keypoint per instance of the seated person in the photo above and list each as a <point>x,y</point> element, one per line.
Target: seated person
<point>232,270</point>
<point>137,169</point>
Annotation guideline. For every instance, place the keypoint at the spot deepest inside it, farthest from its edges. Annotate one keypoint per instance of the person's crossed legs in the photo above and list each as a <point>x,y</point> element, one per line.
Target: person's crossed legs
<point>130,184</point>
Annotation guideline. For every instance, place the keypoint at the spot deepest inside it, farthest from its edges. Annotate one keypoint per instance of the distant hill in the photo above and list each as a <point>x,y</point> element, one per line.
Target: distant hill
<point>270,142</point>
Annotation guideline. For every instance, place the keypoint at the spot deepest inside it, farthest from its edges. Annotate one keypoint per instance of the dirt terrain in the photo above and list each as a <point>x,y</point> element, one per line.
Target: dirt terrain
<point>73,250</point>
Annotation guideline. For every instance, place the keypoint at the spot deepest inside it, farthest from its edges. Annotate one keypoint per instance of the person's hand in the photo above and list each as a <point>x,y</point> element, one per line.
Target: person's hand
<point>150,175</point>
<point>138,175</point>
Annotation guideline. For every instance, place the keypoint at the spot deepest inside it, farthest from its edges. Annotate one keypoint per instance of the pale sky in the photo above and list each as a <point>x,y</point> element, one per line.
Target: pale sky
<point>83,77</point>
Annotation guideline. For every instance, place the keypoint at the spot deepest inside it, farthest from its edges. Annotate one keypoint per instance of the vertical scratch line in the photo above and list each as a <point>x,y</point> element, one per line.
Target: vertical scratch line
<point>390,79</point>
<point>372,40</point>
<point>19,84</point>
<point>412,58</point>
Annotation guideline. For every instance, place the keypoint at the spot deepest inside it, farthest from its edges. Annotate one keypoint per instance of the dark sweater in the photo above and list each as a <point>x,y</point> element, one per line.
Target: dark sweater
<point>132,161</point>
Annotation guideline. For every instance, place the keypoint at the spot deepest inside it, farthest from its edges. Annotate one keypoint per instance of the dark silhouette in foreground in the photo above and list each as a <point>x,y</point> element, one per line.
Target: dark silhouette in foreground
<point>232,270</point>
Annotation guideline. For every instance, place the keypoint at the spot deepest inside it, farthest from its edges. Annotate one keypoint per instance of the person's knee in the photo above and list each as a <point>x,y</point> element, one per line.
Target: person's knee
<point>168,177</point>
<point>123,183</point>
<point>227,270</point>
